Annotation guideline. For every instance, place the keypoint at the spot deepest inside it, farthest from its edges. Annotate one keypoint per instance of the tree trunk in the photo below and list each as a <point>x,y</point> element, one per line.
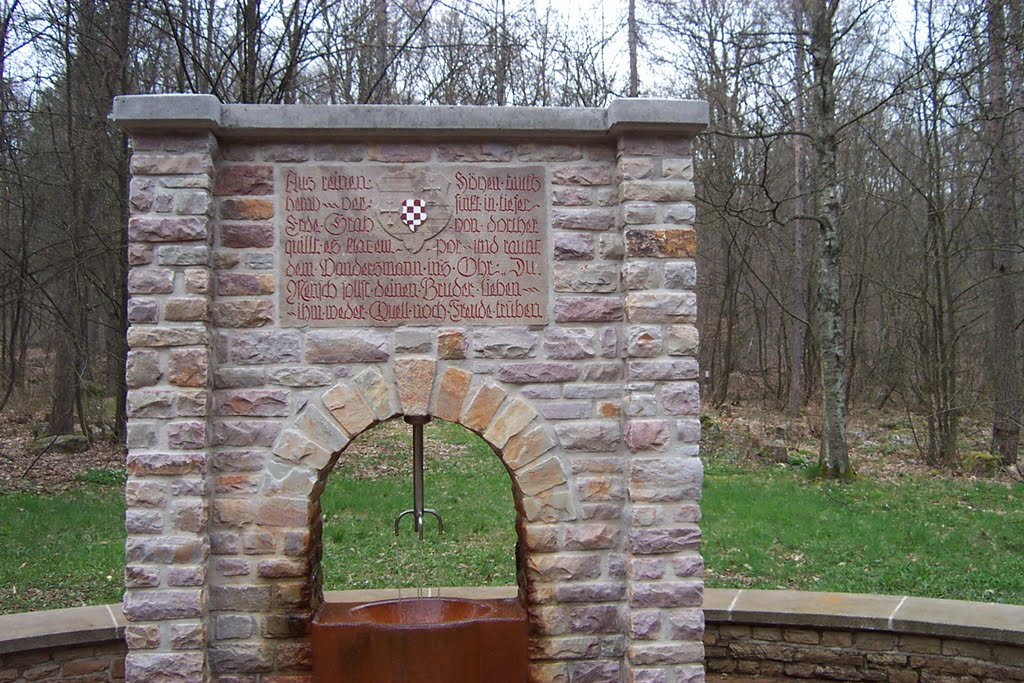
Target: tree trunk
<point>833,457</point>
<point>1006,401</point>
<point>62,409</point>
<point>798,302</point>
<point>634,74</point>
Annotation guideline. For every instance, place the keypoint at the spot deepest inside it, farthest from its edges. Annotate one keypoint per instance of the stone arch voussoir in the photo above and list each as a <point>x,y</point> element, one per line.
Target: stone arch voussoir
<point>309,445</point>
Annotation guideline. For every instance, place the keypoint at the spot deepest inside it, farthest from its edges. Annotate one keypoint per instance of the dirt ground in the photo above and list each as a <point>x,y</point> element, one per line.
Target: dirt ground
<point>883,446</point>
<point>49,473</point>
<point>53,473</point>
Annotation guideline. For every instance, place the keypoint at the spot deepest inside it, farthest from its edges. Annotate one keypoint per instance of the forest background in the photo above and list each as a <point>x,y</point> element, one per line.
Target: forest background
<point>859,189</point>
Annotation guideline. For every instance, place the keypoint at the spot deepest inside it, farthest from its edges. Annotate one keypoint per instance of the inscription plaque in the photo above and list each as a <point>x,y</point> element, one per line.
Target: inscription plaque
<point>421,245</point>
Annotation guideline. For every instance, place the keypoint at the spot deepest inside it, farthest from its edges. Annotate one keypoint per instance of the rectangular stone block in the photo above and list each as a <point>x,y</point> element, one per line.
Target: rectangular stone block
<point>244,180</point>
<point>656,190</point>
<point>504,342</point>
<point>264,347</point>
<point>149,163</point>
<point>564,567</point>
<point>186,667</point>
<point>167,229</point>
<point>569,309</point>
<point>283,512</point>
<point>165,464</point>
<point>646,435</point>
<point>341,346</point>
<point>666,594</point>
<point>661,307</point>
<point>567,246</point>
<point>488,151</point>
<point>664,243</point>
<point>532,373</point>
<point>240,597</point>
<point>245,284</point>
<point>598,436</point>
<point>178,255</point>
<point>582,219</point>
<point>596,278</point>
<point>660,541</point>
<point>163,337</point>
<point>665,479</point>
<point>655,370</point>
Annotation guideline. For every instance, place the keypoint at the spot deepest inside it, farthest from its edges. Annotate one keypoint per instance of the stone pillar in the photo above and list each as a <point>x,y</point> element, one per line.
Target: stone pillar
<point>169,380</point>
<point>661,406</point>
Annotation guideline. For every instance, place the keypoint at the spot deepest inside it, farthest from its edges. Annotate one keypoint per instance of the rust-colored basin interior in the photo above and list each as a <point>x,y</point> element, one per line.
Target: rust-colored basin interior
<point>421,611</point>
<point>425,640</point>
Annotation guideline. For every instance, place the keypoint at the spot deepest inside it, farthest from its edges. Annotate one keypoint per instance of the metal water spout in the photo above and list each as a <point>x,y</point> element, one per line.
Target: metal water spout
<point>417,511</point>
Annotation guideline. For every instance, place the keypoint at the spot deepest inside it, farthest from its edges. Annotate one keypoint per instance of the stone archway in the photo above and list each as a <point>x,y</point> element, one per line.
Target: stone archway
<point>308,447</point>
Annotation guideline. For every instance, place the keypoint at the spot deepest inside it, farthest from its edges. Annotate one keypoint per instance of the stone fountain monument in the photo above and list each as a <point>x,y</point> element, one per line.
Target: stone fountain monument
<point>302,273</point>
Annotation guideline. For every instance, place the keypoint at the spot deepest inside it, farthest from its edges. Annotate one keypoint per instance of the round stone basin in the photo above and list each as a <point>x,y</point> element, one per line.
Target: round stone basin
<point>421,611</point>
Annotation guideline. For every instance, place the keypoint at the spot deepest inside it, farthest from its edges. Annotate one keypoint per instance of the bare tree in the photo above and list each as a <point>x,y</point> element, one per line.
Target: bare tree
<point>1006,381</point>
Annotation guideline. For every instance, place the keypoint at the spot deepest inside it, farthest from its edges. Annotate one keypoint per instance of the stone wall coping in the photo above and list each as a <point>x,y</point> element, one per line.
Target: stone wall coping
<point>851,611</point>
<point>60,628</point>
<point>841,611</point>
<point>299,122</point>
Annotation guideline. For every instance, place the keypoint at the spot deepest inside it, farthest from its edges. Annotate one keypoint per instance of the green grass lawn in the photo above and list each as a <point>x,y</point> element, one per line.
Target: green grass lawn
<point>469,489</point>
<point>774,528</point>
<point>61,551</point>
<point>764,527</point>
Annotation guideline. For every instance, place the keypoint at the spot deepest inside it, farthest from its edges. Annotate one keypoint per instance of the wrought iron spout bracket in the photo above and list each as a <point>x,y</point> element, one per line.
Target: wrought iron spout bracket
<point>418,510</point>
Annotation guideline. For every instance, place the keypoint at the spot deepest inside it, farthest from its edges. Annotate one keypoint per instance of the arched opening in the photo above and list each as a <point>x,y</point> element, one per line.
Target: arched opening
<point>549,549</point>
<point>371,484</point>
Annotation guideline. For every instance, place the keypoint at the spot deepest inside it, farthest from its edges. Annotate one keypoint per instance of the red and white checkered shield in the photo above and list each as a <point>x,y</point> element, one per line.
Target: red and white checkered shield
<point>414,213</point>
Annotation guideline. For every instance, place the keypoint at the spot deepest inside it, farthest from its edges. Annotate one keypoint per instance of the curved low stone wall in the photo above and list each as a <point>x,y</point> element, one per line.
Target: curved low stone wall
<point>749,633</point>
<point>849,637</point>
<point>82,644</point>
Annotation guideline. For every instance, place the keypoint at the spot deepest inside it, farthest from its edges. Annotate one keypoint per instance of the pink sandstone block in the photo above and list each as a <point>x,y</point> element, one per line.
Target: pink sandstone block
<point>349,408</point>
<point>376,393</point>
<point>482,406</point>
<point>165,229</point>
<point>322,429</point>
<point>451,394</point>
<point>527,446</point>
<point>513,418</point>
<point>150,281</point>
<point>246,209</point>
<point>247,235</point>
<point>573,246</point>
<point>415,380</point>
<point>149,163</point>
<point>587,309</point>
<point>646,435</point>
<point>244,180</point>
<point>542,476</point>
<point>252,402</point>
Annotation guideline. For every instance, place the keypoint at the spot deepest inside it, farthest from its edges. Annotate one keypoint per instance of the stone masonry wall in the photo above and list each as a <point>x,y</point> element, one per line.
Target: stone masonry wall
<point>96,662</point>
<point>838,654</point>
<point>235,422</point>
